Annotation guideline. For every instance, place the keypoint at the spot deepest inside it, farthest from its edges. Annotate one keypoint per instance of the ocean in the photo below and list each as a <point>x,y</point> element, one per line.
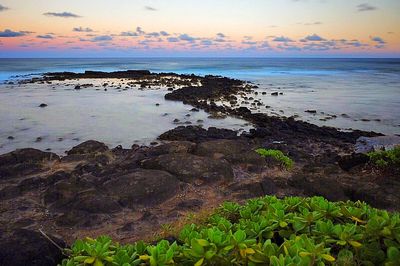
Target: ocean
<point>346,93</point>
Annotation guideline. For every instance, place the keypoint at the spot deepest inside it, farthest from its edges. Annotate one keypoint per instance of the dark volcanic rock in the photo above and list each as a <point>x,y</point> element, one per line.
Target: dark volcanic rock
<point>23,162</point>
<point>234,151</point>
<point>96,74</point>
<point>190,204</point>
<point>318,185</point>
<point>349,161</point>
<point>256,189</point>
<point>212,87</point>
<point>146,187</point>
<point>198,134</point>
<point>90,146</point>
<point>172,147</point>
<point>188,167</point>
<point>42,105</point>
<point>25,247</point>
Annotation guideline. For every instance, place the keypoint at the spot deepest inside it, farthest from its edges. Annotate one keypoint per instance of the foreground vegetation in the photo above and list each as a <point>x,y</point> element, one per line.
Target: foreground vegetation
<point>264,231</point>
<point>386,159</point>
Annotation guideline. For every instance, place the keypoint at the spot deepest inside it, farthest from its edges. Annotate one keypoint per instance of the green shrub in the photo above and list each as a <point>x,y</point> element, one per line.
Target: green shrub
<point>265,231</point>
<point>277,155</point>
<point>385,159</point>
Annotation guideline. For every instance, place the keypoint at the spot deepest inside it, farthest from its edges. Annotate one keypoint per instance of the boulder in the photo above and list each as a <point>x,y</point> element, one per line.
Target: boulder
<point>172,147</point>
<point>145,187</point>
<point>26,155</point>
<point>87,147</point>
<point>23,247</point>
<point>74,194</point>
<point>23,162</point>
<point>188,167</point>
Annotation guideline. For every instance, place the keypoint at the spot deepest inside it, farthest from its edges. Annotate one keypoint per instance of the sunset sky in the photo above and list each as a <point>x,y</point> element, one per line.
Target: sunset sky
<point>104,28</point>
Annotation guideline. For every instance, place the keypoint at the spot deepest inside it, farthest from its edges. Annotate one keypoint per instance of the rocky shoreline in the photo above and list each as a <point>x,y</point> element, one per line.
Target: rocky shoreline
<point>130,193</point>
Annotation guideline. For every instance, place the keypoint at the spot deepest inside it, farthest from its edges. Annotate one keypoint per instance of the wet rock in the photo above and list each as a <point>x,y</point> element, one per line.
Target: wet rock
<point>144,187</point>
<point>188,167</point>
<point>311,111</point>
<point>217,115</point>
<point>274,93</point>
<point>23,247</point>
<point>42,105</point>
<point>10,137</point>
<point>77,87</point>
<point>349,161</point>
<point>87,147</point>
<point>197,134</point>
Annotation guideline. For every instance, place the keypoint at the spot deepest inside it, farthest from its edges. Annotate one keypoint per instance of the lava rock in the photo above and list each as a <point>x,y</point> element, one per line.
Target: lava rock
<point>87,147</point>
<point>188,167</point>
<point>143,187</point>
<point>347,162</point>
<point>23,247</point>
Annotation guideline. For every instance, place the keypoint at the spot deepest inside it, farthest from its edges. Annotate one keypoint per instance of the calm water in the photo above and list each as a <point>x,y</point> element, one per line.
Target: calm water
<point>366,90</point>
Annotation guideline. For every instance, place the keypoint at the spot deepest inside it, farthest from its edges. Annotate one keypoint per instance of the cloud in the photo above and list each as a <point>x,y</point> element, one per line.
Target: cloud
<point>313,38</point>
<point>313,23</point>
<point>100,38</point>
<point>380,43</point>
<point>164,33</point>
<point>140,31</point>
<point>186,37</point>
<point>9,33</point>
<point>249,42</point>
<point>152,34</point>
<point>206,42</point>
<point>149,8</point>
<point>221,35</point>
<point>282,39</point>
<point>129,33</point>
<point>62,14</point>
<point>173,39</point>
<point>378,40</point>
<point>47,36</point>
<point>365,7</point>
<point>3,8</point>
<point>80,29</point>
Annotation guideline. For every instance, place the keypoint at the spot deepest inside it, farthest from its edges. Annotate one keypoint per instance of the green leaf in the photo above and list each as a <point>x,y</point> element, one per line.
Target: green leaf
<point>199,262</point>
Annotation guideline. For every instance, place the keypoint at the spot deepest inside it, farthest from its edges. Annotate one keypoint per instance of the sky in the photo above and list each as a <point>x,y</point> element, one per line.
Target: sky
<point>262,28</point>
